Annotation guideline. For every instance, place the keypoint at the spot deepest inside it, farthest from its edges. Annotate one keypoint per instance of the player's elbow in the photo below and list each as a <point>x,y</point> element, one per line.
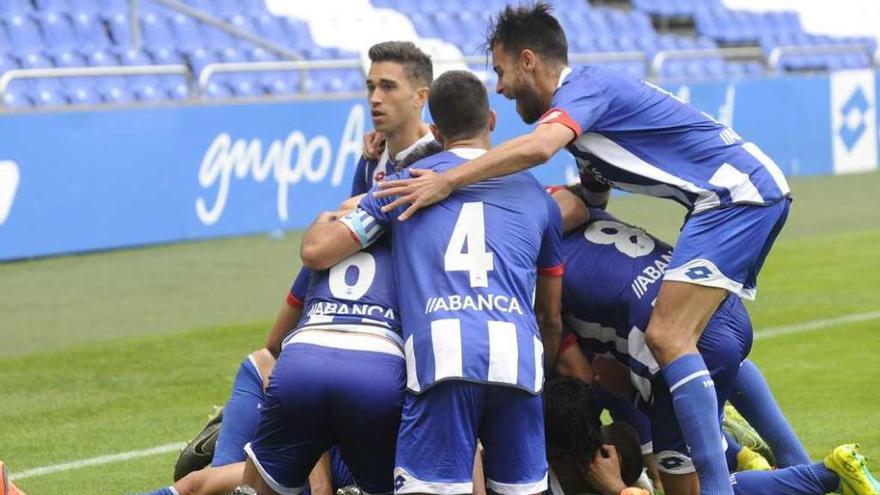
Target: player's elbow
<point>314,257</point>
<point>550,323</point>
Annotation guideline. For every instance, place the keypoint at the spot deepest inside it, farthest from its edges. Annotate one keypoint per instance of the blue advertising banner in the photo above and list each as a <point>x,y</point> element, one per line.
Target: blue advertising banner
<point>88,180</point>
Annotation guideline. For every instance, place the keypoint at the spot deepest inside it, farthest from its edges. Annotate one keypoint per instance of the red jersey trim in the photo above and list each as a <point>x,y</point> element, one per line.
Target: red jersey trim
<point>293,302</point>
<point>552,271</point>
<point>560,116</point>
<point>552,189</point>
<point>567,341</point>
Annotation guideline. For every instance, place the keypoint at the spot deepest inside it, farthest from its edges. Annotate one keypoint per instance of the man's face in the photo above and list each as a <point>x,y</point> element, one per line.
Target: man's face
<point>393,99</point>
<point>516,84</point>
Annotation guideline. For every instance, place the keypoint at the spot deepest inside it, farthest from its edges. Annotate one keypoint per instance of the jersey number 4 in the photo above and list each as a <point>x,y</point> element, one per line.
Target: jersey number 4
<point>466,251</point>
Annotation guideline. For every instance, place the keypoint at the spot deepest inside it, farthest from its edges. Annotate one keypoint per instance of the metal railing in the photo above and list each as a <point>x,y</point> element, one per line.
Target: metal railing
<point>778,52</point>
<point>218,68</point>
<point>67,72</point>
<point>663,56</point>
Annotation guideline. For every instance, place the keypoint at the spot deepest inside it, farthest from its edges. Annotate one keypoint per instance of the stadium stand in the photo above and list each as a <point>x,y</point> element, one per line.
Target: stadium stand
<point>669,40</point>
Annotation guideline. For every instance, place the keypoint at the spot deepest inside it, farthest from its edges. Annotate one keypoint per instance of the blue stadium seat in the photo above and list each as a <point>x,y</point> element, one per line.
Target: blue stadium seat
<point>228,8</point>
<point>215,91</point>
<point>259,54</point>
<point>52,5</point>
<point>164,56</point>
<point>90,33</point>
<point>16,99</point>
<point>110,8</point>
<point>216,39</point>
<point>89,7</point>
<point>8,7</point>
<point>270,27</point>
<point>46,97</point>
<point>68,59</point>
<point>147,90</point>
<point>57,31</point>
<point>81,94</point>
<point>186,31</point>
<point>101,58</point>
<point>175,87</point>
<point>34,60</point>
<point>120,31</point>
<point>23,33</point>
<point>156,31</point>
<point>131,56</point>
<point>113,90</point>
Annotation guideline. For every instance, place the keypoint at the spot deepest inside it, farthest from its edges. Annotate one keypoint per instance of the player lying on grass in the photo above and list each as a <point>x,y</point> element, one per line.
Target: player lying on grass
<point>628,134</point>
<point>582,466</point>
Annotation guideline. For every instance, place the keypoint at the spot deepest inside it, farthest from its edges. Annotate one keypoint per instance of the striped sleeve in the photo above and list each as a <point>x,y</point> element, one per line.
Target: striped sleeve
<point>364,227</point>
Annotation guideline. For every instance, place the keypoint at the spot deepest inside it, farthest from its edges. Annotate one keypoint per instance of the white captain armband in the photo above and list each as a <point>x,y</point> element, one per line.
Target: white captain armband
<point>363,226</point>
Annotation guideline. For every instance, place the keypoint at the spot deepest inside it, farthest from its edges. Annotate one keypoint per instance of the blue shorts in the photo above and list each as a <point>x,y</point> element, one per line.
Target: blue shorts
<point>241,414</point>
<point>724,344</point>
<point>438,440</point>
<point>726,247</point>
<point>320,396</point>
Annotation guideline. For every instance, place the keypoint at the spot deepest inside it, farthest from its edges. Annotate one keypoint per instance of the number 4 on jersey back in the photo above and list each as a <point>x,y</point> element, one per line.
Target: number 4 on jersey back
<point>466,250</point>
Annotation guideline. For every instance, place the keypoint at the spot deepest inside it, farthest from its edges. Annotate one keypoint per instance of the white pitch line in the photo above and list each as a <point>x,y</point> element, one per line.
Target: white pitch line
<point>162,449</point>
<point>815,325</point>
<point>97,461</point>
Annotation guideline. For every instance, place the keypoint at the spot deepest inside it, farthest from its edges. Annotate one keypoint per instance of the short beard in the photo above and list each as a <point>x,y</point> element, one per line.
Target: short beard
<point>529,106</point>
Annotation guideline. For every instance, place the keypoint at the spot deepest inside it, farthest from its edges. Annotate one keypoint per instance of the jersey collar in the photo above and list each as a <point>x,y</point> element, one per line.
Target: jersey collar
<point>565,72</point>
<point>467,153</point>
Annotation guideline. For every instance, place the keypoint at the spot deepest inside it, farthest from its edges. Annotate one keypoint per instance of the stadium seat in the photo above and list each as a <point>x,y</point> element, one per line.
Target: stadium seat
<point>16,99</point>
<point>81,94</point>
<point>52,5</point>
<point>90,33</point>
<point>68,59</point>
<point>23,33</point>
<point>156,31</point>
<point>8,7</point>
<point>58,31</point>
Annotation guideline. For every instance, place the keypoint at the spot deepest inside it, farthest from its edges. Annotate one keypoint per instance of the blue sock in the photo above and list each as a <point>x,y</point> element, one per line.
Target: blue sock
<point>754,400</point>
<point>804,479</point>
<point>696,409</point>
<point>163,491</point>
<point>241,415</point>
<point>733,448</point>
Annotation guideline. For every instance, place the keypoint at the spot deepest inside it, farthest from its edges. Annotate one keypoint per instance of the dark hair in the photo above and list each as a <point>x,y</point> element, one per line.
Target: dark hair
<point>532,27</point>
<point>571,418</point>
<point>459,104</point>
<point>421,151</point>
<point>416,63</point>
<point>626,441</point>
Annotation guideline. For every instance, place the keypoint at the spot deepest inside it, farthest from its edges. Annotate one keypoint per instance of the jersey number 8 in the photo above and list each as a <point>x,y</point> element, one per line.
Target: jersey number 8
<point>628,240</point>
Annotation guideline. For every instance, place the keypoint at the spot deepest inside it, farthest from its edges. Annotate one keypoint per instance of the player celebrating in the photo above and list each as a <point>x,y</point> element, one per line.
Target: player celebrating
<point>634,136</point>
<point>466,271</point>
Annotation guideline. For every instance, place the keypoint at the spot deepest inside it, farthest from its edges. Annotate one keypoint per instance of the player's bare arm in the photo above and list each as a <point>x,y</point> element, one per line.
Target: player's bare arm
<point>574,211</point>
<point>516,155</point>
<point>286,320</point>
<point>572,362</point>
<point>327,242</point>
<point>548,312</point>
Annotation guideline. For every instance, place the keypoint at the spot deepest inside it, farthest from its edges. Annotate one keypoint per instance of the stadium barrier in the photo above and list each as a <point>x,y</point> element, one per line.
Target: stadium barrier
<point>76,181</point>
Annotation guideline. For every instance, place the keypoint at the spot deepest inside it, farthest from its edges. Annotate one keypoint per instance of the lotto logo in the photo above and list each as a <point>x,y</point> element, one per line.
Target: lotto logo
<point>399,481</point>
<point>670,463</point>
<point>698,273</point>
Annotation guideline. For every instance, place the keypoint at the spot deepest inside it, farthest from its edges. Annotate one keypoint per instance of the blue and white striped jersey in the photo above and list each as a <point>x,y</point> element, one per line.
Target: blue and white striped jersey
<point>637,137</point>
<point>612,277</point>
<point>466,270</point>
<point>360,290</point>
<point>369,172</point>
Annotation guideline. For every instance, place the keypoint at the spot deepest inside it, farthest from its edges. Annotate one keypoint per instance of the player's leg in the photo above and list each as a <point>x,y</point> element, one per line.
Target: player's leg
<point>722,347</point>
<point>241,414</point>
<point>754,400</point>
<point>367,413</point>
<point>295,426</point>
<point>438,439</point>
<point>844,470</point>
<point>718,251</point>
<point>512,433</point>
<point>7,487</point>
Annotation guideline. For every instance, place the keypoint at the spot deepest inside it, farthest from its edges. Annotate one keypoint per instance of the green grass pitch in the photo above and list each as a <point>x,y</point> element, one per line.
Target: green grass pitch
<point>128,350</point>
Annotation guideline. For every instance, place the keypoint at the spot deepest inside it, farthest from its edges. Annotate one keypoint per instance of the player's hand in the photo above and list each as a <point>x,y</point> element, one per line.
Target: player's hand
<point>604,471</point>
<point>351,203</point>
<point>424,189</point>
<point>612,375</point>
<point>374,144</point>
